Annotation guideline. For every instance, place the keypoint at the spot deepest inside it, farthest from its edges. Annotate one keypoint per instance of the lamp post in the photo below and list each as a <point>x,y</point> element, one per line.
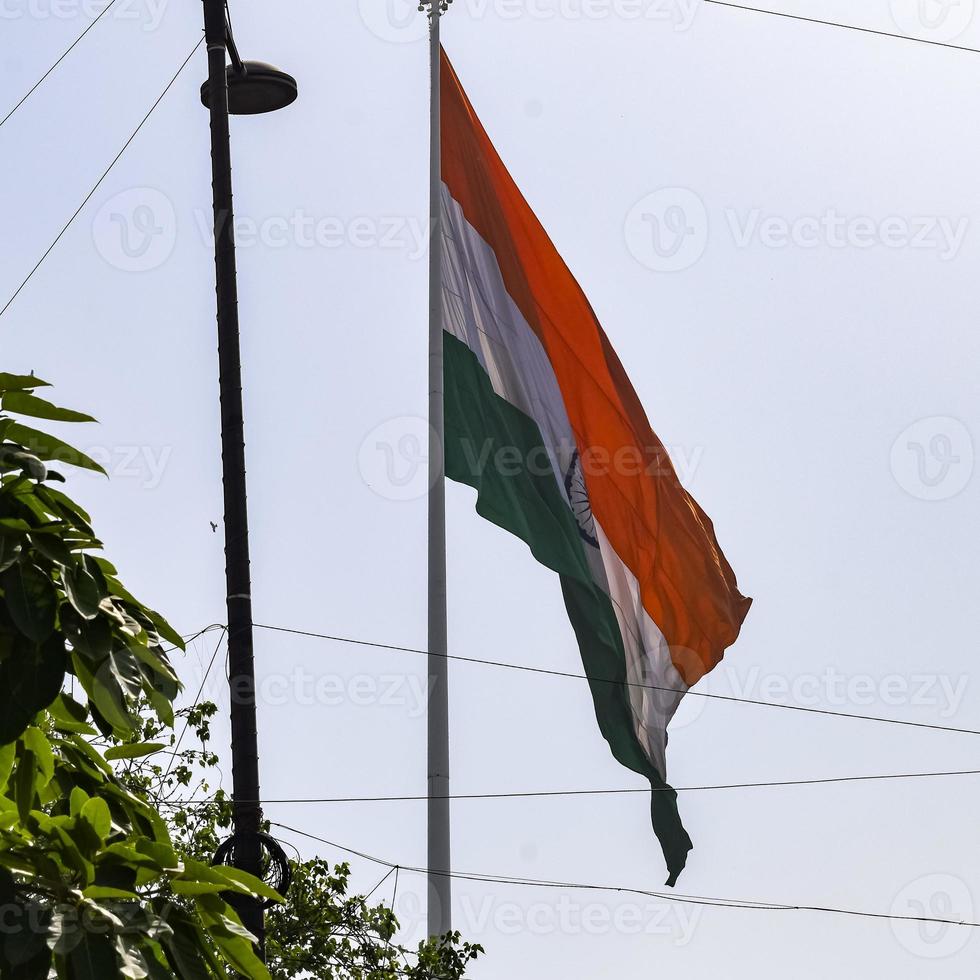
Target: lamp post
<point>242,88</point>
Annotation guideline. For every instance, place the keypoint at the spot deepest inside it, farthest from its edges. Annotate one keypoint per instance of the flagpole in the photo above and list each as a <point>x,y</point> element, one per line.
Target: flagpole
<point>440,885</point>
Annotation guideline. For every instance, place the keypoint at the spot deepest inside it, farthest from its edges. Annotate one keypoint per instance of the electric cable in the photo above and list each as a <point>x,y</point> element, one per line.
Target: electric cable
<point>624,683</point>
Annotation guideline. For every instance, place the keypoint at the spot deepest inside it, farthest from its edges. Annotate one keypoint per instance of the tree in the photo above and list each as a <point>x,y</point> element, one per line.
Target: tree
<point>91,884</point>
<point>320,930</point>
<point>104,864</point>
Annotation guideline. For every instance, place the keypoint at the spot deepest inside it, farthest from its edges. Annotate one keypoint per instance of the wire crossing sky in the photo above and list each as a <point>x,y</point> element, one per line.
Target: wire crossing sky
<point>666,896</point>
<point>652,687</point>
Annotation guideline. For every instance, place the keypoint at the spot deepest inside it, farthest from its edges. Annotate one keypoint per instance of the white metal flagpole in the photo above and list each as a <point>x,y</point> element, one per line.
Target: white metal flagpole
<point>440,884</point>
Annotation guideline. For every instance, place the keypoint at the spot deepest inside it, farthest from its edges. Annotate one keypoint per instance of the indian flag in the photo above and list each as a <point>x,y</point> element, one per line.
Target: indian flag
<point>541,419</point>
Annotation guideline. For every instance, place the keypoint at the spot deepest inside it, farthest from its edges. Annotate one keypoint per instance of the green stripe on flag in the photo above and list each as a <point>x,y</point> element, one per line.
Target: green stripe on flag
<point>481,430</point>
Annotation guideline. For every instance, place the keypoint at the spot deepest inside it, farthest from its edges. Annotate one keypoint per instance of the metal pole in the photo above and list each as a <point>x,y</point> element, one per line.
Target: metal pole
<point>241,668</point>
<point>440,885</point>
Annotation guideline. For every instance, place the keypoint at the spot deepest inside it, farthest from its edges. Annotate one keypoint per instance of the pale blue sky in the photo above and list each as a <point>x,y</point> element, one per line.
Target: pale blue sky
<point>824,303</point>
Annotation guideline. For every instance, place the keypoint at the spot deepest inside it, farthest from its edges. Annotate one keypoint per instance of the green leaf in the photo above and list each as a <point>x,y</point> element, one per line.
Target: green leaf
<point>72,844</point>
<point>13,525</point>
<point>104,891</point>
<point>93,959</point>
<point>65,706</point>
<point>26,950</point>
<point>110,874</point>
<point>162,853</point>
<point>253,884</point>
<point>93,638</point>
<point>24,403</point>
<point>126,670</point>
<point>185,949</point>
<point>204,879</point>
<point>95,570</point>
<point>106,695</point>
<point>47,447</point>
<point>156,961</point>
<point>131,963</point>
<point>198,888</point>
<point>66,507</point>
<point>24,784</point>
<point>27,463</point>
<point>96,812</point>
<point>7,753</point>
<point>165,629</point>
<point>76,800</point>
<point>52,546</point>
<point>30,679</point>
<point>232,938</point>
<point>35,740</point>
<point>94,758</point>
<point>133,751</point>
<point>162,707</point>
<point>108,569</point>
<point>20,382</point>
<point>157,664</point>
<point>10,551</point>
<point>130,858</point>
<point>31,600</point>
<point>82,590</point>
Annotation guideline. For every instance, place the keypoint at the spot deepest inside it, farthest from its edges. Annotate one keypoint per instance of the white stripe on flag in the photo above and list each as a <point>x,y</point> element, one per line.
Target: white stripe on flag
<point>478,310</point>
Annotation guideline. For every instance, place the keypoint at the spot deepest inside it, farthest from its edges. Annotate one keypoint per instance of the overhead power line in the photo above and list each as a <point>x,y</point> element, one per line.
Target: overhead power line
<point>623,683</point>
<point>538,794</point>
<point>703,900</point>
<point>197,697</point>
<point>98,183</point>
<point>719,3</point>
<point>64,55</point>
<point>848,27</point>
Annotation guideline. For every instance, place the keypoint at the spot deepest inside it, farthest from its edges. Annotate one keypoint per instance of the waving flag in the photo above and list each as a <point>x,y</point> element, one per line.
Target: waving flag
<point>543,422</point>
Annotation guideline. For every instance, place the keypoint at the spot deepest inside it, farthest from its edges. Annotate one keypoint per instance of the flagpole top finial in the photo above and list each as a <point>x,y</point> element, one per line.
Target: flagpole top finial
<point>434,7</point>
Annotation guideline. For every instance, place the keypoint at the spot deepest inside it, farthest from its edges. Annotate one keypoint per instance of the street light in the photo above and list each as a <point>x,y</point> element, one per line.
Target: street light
<point>243,88</point>
<point>255,87</point>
